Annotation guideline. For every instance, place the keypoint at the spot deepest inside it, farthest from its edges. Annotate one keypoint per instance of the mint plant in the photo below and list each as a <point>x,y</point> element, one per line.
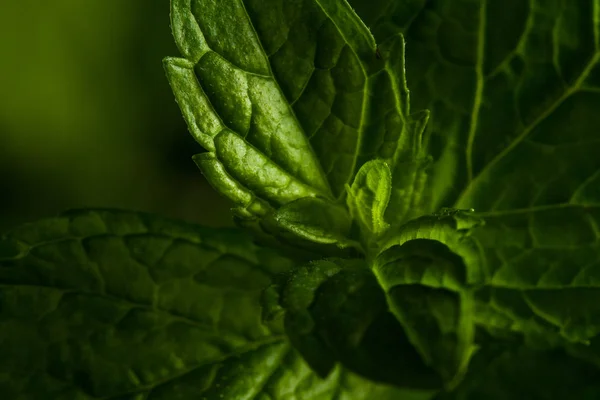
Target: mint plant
<point>383,251</point>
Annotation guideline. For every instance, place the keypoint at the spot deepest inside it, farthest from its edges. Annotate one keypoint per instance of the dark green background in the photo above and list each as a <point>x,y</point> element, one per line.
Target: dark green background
<point>87,118</point>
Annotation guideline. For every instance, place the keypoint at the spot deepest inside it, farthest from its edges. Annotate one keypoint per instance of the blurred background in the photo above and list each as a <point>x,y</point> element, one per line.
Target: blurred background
<point>87,118</point>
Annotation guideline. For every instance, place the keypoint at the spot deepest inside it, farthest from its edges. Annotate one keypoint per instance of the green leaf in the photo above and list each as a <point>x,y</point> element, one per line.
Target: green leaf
<point>426,289</point>
<point>315,220</point>
<point>409,161</point>
<point>513,90</point>
<point>129,306</point>
<point>108,303</point>
<point>452,229</point>
<point>369,195</point>
<point>249,205</point>
<point>293,116</point>
<point>513,93</point>
<point>427,268</point>
<point>542,271</point>
<point>513,371</point>
<point>336,312</point>
<point>281,374</point>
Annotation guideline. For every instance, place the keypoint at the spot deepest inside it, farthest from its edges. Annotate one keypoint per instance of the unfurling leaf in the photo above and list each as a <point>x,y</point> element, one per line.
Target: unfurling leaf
<point>369,195</point>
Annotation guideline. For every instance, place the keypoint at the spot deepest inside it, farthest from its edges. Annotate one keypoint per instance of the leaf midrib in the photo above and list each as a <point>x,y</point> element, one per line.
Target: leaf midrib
<point>479,85</point>
<point>289,107</point>
<point>568,92</point>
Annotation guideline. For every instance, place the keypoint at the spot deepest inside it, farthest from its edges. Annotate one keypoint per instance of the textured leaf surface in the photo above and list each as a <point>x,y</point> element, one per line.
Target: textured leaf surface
<point>426,288</point>
<point>315,220</point>
<point>336,312</point>
<point>447,236</point>
<point>508,371</point>
<point>110,304</point>
<point>513,89</point>
<point>542,271</point>
<point>293,115</point>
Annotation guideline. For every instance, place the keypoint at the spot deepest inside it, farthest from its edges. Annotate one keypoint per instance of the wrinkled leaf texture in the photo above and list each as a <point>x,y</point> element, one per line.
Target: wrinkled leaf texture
<point>296,113</point>
<point>123,305</point>
<point>513,88</point>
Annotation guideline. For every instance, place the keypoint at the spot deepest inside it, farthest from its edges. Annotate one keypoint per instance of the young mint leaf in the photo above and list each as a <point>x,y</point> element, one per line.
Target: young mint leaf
<point>428,268</point>
<point>336,312</point>
<point>450,228</point>
<point>542,270</point>
<point>409,162</point>
<point>301,227</point>
<point>513,92</point>
<point>421,262</point>
<point>426,289</point>
<point>369,195</point>
<point>293,116</point>
<point>315,220</point>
